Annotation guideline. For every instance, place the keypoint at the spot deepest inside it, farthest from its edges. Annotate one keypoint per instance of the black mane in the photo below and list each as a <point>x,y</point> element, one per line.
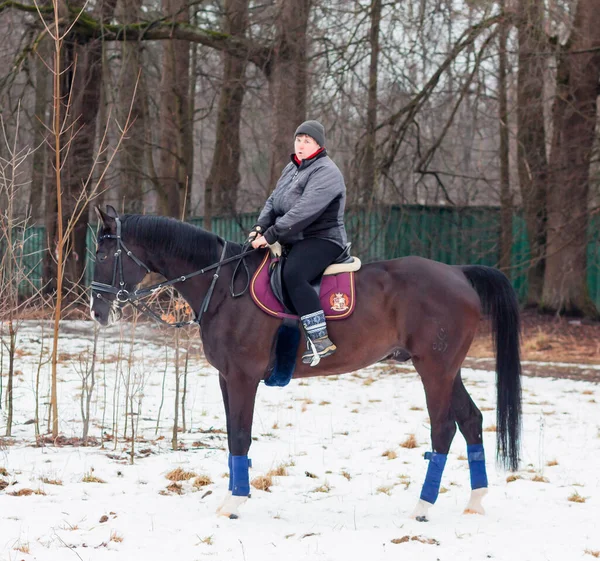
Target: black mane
<point>175,238</point>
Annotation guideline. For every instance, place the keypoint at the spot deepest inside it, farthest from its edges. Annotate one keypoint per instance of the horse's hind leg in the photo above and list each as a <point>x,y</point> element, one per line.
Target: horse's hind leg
<point>470,424</point>
<point>438,392</point>
<point>239,393</point>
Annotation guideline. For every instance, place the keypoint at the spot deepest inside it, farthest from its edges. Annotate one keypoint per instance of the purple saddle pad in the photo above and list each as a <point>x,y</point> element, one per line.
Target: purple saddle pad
<point>337,294</point>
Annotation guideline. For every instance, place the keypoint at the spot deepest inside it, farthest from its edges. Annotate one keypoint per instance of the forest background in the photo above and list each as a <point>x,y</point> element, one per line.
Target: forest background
<point>188,109</point>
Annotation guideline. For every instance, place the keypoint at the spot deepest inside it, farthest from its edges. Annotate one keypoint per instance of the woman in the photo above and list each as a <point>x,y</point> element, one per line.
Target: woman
<point>305,212</point>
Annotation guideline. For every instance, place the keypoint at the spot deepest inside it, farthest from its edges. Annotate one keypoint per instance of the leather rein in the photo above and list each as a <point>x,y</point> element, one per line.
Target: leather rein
<point>124,296</point>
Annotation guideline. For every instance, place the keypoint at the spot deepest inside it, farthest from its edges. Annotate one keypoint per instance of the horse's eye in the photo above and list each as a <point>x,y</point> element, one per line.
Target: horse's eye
<point>102,257</point>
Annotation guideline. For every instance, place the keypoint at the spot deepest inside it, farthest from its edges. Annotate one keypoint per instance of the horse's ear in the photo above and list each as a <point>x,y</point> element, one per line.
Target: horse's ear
<point>110,210</point>
<point>106,220</point>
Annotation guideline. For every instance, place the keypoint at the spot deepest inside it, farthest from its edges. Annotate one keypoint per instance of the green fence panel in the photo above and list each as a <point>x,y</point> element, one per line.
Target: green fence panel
<point>468,235</point>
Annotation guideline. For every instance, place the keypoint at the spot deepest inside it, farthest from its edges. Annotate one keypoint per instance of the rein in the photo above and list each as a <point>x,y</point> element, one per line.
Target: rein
<point>123,296</point>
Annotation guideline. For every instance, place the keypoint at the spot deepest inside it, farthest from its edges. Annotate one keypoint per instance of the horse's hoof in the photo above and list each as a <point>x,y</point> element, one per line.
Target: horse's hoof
<point>472,511</point>
<point>220,507</point>
<point>421,511</point>
<point>474,506</point>
<point>230,507</point>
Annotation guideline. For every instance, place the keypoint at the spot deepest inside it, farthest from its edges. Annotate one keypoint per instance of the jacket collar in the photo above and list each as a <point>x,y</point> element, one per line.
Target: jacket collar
<point>320,153</point>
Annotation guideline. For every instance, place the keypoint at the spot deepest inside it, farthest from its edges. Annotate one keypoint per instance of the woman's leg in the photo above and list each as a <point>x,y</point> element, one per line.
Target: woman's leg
<point>306,260</point>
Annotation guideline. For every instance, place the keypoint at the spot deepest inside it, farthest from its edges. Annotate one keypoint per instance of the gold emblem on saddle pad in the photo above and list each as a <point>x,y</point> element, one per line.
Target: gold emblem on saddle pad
<point>339,301</point>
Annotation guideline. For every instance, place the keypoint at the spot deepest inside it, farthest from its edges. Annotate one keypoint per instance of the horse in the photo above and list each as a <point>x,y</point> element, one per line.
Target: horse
<point>409,308</point>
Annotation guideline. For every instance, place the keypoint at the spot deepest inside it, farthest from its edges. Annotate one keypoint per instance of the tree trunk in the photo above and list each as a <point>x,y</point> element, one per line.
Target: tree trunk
<point>288,80</point>
<point>367,171</point>
<point>85,96</point>
<point>38,177</point>
<point>174,105</point>
<point>133,180</point>
<point>575,117</point>
<point>223,180</point>
<point>506,210</point>
<point>531,137</point>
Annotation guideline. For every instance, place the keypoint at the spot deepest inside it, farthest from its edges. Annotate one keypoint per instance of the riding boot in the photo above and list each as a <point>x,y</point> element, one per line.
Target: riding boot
<point>317,341</point>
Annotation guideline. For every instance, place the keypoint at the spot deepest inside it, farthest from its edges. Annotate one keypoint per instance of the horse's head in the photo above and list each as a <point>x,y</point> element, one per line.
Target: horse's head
<point>119,268</point>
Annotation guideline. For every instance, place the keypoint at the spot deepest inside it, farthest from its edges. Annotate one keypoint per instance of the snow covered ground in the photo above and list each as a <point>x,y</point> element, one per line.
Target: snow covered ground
<point>350,485</point>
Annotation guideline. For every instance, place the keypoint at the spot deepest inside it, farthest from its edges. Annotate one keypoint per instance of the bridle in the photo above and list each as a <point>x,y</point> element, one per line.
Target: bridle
<point>124,296</point>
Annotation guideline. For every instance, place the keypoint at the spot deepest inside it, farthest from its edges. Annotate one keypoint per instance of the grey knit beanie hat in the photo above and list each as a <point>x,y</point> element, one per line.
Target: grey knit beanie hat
<point>314,129</point>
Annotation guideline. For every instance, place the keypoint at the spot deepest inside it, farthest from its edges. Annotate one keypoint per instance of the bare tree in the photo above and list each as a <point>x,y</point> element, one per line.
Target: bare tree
<point>574,118</point>
<point>174,118</point>
<point>531,137</point>
<point>220,195</point>
<point>288,79</point>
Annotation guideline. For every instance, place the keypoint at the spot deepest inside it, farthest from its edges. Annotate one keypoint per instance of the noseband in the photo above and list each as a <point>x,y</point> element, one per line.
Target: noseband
<point>123,296</point>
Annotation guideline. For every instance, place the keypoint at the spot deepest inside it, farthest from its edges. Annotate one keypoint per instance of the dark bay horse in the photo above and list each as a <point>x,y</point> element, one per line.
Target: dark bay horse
<point>407,309</point>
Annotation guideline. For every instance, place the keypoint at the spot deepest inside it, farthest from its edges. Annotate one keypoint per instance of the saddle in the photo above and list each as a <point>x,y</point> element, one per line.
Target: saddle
<point>335,287</point>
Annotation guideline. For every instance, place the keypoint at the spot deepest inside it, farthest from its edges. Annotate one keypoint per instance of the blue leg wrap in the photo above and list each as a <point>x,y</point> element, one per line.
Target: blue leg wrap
<point>477,466</point>
<point>239,473</point>
<point>433,479</point>
<point>230,464</point>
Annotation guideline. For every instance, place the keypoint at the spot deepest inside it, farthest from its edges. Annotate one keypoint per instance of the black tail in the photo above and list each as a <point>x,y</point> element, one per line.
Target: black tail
<point>499,301</point>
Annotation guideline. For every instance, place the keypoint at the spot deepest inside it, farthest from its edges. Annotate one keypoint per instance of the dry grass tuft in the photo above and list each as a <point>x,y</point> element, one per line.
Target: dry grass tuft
<point>443,490</point>
<point>26,492</point>
<point>368,381</point>
<point>179,474</point>
<point>491,428</point>
<point>325,488</point>
<point>513,477</point>
<point>175,488</point>
<point>202,480</point>
<point>461,457</point>
<point>410,442</point>
<point>416,408</point>
<point>346,475</point>
<point>551,463</point>
<point>114,537</point>
<point>3,472</point>
<point>275,425</point>
<point>262,483</point>
<point>49,481</point>
<point>421,539</point>
<point>541,342</point>
<point>593,553</point>
<point>279,471</point>
<point>540,479</point>
<point>576,498</point>
<point>22,547</point>
<point>384,489</point>
<point>324,402</point>
<point>208,540</point>
<point>91,478</point>
<point>390,455</point>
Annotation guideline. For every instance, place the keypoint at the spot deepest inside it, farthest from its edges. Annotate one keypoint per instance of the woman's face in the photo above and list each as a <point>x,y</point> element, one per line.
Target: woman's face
<point>305,146</point>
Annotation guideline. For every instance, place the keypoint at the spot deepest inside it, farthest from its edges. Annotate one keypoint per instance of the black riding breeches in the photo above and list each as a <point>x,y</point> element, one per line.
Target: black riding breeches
<point>306,260</point>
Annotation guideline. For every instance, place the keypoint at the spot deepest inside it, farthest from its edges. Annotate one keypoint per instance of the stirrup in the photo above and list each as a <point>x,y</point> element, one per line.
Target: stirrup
<point>313,356</point>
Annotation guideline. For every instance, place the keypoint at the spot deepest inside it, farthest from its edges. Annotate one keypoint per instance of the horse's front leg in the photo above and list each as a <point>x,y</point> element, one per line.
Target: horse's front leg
<point>239,394</point>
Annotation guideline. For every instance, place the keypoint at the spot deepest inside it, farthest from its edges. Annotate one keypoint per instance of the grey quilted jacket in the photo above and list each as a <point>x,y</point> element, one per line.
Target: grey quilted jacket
<point>308,202</point>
